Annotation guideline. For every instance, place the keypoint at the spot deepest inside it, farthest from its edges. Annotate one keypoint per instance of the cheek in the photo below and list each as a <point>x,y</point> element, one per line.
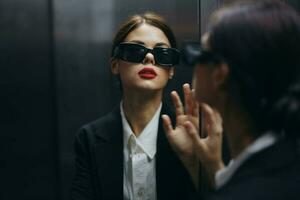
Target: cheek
<point>202,84</point>
<point>164,74</point>
<point>127,70</point>
<point>197,86</point>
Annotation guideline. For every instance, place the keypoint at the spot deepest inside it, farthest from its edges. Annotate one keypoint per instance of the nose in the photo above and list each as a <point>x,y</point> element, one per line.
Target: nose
<point>149,59</point>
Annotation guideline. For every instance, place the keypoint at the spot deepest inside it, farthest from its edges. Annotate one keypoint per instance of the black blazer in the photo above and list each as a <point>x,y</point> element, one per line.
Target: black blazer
<point>273,173</point>
<point>99,162</point>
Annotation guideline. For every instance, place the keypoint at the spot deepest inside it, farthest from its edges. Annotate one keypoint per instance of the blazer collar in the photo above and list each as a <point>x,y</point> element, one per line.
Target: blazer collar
<point>277,156</point>
<point>110,126</point>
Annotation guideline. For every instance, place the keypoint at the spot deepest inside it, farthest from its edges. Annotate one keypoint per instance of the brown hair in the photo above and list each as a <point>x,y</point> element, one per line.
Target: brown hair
<point>136,21</point>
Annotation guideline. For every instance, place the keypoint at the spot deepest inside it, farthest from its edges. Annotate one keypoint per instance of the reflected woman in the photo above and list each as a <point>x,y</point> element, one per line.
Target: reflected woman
<point>125,154</point>
<point>248,74</point>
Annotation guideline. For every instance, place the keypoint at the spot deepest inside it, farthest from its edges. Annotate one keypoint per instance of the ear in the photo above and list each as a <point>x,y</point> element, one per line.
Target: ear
<point>114,66</point>
<point>220,75</point>
<point>171,72</point>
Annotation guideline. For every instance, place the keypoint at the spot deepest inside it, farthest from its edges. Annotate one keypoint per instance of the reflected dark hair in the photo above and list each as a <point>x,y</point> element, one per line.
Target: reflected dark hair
<point>260,42</point>
<point>136,21</point>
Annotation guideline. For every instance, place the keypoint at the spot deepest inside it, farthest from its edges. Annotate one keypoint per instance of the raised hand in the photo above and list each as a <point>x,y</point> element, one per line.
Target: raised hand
<point>178,137</point>
<point>208,149</point>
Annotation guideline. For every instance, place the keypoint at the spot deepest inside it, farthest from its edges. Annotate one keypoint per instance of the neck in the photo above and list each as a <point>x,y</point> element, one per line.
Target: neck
<point>238,127</point>
<point>139,109</point>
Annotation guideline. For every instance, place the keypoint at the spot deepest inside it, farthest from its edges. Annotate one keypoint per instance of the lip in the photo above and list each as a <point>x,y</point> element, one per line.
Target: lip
<point>147,73</point>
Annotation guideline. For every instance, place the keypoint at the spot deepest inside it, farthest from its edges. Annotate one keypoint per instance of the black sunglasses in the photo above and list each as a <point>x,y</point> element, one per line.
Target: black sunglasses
<point>193,53</point>
<point>136,53</point>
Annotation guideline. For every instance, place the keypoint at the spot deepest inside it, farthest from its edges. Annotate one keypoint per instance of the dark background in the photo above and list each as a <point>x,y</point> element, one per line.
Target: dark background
<point>55,77</point>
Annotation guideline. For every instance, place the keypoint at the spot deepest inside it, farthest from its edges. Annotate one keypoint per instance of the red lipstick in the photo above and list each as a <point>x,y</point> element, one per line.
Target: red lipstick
<point>147,73</point>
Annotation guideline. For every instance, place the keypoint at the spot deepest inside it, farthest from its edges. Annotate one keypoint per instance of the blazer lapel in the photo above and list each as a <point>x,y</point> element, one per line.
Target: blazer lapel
<point>172,180</point>
<point>168,176</point>
<point>164,168</point>
<point>109,157</point>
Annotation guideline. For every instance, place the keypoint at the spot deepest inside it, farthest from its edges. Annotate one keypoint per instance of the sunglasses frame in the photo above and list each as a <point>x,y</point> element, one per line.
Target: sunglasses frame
<point>117,53</point>
<point>193,53</point>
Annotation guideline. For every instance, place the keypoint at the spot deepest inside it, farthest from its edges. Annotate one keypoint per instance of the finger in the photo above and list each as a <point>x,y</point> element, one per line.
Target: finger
<point>207,112</point>
<point>167,125</point>
<point>218,116</point>
<point>187,98</point>
<point>196,111</point>
<point>218,125</point>
<point>208,119</point>
<point>195,104</point>
<point>177,103</point>
<point>192,131</point>
<point>212,120</point>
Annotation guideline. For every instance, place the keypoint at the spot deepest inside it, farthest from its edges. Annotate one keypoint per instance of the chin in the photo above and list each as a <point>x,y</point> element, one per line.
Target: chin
<point>152,84</point>
<point>145,85</point>
<point>150,87</point>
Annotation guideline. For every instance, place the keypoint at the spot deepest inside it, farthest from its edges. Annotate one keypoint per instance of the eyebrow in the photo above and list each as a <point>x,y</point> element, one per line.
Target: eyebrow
<point>137,41</point>
<point>159,44</point>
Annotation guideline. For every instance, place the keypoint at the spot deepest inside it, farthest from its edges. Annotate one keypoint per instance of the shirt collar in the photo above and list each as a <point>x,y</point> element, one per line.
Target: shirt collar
<point>224,175</point>
<point>148,138</point>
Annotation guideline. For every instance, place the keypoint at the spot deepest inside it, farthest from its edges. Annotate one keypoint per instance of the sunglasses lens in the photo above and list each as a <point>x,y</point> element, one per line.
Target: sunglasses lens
<point>166,56</point>
<point>131,52</point>
<point>191,52</point>
<point>194,53</point>
<point>136,53</point>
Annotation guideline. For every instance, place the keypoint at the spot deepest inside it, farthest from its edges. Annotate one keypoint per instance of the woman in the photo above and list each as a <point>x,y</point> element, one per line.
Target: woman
<point>125,155</point>
<point>248,72</point>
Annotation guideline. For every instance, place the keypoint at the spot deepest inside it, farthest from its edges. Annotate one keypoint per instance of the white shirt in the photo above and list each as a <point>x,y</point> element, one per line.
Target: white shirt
<point>139,180</point>
<point>224,175</point>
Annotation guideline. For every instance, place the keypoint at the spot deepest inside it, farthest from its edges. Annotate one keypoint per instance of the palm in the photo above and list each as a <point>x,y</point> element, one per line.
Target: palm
<point>179,139</point>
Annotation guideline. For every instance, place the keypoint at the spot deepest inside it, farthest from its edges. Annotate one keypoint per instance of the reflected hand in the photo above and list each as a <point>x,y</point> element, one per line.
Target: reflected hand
<point>208,149</point>
<point>185,139</point>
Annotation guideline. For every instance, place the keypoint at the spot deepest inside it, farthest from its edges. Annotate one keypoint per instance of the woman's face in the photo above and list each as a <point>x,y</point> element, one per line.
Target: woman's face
<point>208,79</point>
<point>202,83</point>
<point>202,78</point>
<point>146,75</point>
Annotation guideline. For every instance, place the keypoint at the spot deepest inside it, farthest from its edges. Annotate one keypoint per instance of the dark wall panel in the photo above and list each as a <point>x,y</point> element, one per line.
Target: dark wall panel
<point>27,137</point>
<point>295,4</point>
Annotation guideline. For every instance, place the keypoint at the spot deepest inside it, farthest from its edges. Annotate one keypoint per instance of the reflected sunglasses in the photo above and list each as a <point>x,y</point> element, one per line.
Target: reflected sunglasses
<point>193,53</point>
<point>136,53</point>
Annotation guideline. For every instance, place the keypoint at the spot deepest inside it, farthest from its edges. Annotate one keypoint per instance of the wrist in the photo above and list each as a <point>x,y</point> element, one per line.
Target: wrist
<point>191,164</point>
<point>211,169</point>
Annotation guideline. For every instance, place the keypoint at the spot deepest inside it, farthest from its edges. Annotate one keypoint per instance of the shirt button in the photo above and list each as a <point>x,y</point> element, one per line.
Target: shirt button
<point>141,192</point>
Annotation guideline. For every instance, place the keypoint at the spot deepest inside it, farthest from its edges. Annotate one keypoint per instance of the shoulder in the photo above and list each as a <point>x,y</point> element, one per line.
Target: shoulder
<point>272,174</point>
<point>261,187</point>
<point>102,125</point>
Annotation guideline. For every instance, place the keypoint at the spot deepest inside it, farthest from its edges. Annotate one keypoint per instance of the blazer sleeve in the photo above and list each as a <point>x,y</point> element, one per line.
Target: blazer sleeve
<point>82,186</point>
